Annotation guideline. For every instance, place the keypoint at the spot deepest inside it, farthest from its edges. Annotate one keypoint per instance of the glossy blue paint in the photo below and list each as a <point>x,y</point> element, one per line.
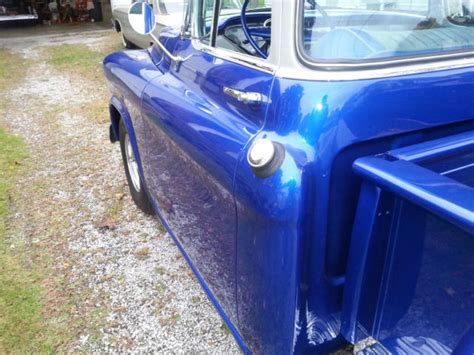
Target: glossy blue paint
<point>121,94</point>
<point>438,194</point>
<point>298,223</point>
<point>193,147</point>
<point>466,345</point>
<point>127,80</point>
<point>408,280</point>
<point>272,253</point>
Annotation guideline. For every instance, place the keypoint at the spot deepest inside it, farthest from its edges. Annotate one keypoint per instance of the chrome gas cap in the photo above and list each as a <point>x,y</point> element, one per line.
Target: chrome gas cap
<point>265,157</point>
<point>261,153</point>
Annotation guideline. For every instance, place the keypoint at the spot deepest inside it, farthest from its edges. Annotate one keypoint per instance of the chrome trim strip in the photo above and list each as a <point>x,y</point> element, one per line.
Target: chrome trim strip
<point>174,58</point>
<point>351,75</point>
<point>235,57</point>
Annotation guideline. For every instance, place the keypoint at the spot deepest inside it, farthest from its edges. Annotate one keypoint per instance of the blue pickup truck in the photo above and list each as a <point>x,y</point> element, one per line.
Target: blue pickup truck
<point>314,162</point>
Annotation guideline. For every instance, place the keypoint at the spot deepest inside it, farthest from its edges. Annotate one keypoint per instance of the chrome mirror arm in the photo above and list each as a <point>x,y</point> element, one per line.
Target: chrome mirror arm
<point>174,58</point>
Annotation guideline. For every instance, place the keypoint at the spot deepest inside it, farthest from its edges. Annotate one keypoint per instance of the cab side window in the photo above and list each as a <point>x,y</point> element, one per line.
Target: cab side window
<point>231,34</point>
<point>337,31</point>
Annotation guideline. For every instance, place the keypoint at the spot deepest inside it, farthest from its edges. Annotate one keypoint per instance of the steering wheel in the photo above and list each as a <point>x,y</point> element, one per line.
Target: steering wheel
<point>263,32</point>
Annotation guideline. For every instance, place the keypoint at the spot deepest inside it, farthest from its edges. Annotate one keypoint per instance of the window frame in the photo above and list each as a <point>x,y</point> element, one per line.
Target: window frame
<point>192,26</point>
<point>351,65</point>
<point>191,31</point>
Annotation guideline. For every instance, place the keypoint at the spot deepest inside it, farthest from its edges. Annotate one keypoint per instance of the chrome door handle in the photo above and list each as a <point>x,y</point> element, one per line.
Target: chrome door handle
<point>245,97</point>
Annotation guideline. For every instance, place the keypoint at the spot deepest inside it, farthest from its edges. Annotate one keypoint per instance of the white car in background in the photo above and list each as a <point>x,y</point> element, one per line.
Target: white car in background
<point>167,13</point>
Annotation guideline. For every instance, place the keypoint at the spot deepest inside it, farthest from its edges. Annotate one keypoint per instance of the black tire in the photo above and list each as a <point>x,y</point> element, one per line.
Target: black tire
<point>139,195</point>
<point>126,43</point>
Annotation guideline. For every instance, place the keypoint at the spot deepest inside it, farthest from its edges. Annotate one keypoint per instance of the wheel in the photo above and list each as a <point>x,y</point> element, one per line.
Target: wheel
<point>131,171</point>
<point>126,43</point>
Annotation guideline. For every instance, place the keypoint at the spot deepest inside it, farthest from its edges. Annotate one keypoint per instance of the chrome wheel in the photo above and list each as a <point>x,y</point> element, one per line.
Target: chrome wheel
<point>132,164</point>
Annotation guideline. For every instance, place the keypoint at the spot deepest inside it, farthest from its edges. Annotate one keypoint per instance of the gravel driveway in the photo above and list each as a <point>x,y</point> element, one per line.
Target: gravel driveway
<point>125,284</point>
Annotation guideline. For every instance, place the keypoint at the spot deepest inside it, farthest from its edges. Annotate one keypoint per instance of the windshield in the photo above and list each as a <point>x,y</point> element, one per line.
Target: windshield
<point>369,30</point>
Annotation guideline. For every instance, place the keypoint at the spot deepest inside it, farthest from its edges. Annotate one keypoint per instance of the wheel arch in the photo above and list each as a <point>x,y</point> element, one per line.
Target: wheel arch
<point>115,117</point>
<point>117,26</point>
<point>119,113</point>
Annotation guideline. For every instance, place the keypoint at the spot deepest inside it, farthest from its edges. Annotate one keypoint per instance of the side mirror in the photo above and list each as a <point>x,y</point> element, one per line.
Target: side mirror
<point>141,18</point>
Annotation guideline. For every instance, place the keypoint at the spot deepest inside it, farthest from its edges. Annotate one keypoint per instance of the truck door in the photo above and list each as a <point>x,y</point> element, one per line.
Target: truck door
<point>196,131</point>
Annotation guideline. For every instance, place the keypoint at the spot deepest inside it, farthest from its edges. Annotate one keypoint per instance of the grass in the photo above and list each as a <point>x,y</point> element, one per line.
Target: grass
<point>12,152</point>
<point>20,293</point>
<point>84,65</point>
<point>79,62</point>
<point>142,253</point>
<point>4,59</point>
<point>74,57</point>
<point>79,59</point>
<point>225,328</point>
<point>23,325</point>
<point>11,68</point>
<point>39,307</point>
<point>160,270</point>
